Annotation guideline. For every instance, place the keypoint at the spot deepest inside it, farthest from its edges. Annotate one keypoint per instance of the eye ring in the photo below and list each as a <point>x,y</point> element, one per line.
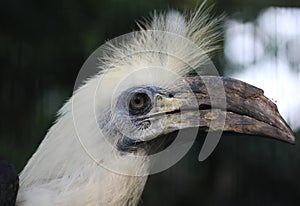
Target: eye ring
<point>139,103</point>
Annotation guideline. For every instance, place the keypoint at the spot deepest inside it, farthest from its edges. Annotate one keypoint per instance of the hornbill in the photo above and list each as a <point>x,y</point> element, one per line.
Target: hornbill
<point>148,89</point>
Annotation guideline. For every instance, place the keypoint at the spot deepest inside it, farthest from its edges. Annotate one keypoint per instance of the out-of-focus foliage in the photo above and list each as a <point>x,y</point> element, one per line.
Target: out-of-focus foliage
<point>42,47</point>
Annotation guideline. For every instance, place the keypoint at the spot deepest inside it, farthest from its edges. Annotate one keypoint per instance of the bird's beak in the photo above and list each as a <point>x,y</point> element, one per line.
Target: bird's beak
<point>243,107</point>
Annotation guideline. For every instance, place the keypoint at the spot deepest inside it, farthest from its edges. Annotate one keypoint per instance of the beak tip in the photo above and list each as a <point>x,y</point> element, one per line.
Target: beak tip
<point>290,138</point>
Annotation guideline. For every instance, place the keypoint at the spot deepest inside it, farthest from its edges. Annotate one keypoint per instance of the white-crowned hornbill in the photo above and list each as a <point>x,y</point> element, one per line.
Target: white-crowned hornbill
<point>142,94</point>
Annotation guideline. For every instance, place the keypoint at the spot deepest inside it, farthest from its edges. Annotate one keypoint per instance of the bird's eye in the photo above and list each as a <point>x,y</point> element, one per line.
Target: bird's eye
<point>139,103</point>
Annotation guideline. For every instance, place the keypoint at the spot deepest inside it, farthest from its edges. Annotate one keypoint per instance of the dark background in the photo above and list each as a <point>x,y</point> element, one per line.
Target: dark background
<point>43,45</point>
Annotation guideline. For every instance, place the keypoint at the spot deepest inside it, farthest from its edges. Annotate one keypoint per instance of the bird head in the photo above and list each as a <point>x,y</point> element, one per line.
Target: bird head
<point>158,81</point>
<point>152,85</point>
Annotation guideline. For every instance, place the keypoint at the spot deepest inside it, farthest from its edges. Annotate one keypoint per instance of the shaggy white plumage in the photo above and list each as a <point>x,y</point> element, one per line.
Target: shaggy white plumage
<point>61,172</point>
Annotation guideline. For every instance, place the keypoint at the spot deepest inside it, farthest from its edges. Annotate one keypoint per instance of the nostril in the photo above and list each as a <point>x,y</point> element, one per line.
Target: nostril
<point>159,98</point>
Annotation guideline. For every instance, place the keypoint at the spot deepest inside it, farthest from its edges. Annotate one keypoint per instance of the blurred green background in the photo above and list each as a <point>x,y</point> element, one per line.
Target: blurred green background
<point>43,45</point>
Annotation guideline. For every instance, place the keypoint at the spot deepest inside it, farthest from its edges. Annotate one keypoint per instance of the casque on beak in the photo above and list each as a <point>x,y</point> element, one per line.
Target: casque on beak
<point>243,107</point>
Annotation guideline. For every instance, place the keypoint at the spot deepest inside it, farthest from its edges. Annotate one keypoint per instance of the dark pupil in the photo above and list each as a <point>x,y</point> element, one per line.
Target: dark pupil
<point>139,103</point>
<point>137,100</point>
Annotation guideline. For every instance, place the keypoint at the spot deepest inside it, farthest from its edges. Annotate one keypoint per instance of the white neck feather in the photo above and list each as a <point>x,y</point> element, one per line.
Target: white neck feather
<point>61,173</point>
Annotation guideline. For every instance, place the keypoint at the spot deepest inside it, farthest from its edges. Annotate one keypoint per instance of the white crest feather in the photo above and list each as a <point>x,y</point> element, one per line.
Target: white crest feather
<point>165,36</point>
